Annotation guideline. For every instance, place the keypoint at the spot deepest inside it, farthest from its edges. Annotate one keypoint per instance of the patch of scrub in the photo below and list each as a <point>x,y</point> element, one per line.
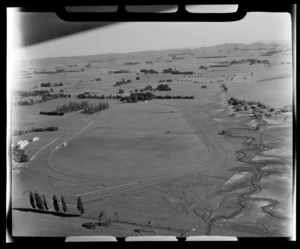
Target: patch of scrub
<point>237,177</point>
<point>278,152</point>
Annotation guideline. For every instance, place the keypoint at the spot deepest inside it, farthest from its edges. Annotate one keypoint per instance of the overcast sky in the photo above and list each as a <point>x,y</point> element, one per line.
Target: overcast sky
<point>129,37</point>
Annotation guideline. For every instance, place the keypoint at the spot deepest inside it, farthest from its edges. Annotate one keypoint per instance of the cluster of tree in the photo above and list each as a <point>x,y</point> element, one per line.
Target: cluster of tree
<point>138,96</point>
<point>163,87</point>
<point>26,102</point>
<point>37,201</point>
<point>137,78</point>
<point>85,106</point>
<point>19,154</point>
<point>174,71</point>
<point>131,63</point>
<point>160,81</point>
<point>24,94</point>
<point>250,61</point>
<point>93,108</point>
<point>204,86</point>
<point>48,84</point>
<point>32,129</point>
<point>148,88</point>
<point>203,67</point>
<point>148,71</point>
<point>244,105</point>
<point>88,65</point>
<point>149,62</point>
<point>119,71</point>
<point>50,96</point>
<point>97,79</point>
<point>122,82</point>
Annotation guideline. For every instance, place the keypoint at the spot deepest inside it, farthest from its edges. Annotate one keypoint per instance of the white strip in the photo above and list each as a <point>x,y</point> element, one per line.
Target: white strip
<point>107,188</point>
<point>43,148</point>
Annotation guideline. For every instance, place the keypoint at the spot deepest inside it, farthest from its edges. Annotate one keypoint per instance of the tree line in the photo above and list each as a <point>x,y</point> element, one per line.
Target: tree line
<point>40,202</point>
<point>145,96</point>
<point>84,106</point>
<point>32,129</point>
<point>46,97</point>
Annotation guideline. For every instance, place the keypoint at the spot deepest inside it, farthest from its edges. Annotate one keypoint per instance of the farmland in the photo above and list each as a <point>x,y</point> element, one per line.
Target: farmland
<point>192,163</point>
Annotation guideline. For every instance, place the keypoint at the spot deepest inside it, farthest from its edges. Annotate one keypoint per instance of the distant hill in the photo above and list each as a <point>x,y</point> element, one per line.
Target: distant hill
<point>220,49</point>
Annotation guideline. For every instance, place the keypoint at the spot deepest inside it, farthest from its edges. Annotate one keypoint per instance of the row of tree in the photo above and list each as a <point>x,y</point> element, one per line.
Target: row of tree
<point>173,97</point>
<point>145,96</point>
<point>250,61</point>
<point>174,71</point>
<point>52,113</point>
<point>48,84</point>
<point>32,129</point>
<point>119,71</point>
<point>89,96</point>
<point>46,97</point>
<point>40,202</point>
<point>148,71</point>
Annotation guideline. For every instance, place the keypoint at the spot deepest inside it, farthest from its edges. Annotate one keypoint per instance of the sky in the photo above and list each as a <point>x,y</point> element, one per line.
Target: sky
<point>139,36</point>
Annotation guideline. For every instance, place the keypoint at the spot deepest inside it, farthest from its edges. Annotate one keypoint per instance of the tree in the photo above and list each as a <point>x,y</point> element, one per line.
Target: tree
<point>45,203</point>
<point>38,201</point>
<point>80,205</point>
<point>19,155</point>
<point>121,91</point>
<point>55,203</point>
<point>63,204</point>
<point>31,198</point>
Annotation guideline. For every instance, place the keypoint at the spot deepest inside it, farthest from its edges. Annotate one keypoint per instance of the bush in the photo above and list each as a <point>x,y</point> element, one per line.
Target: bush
<point>272,109</point>
<point>121,91</point>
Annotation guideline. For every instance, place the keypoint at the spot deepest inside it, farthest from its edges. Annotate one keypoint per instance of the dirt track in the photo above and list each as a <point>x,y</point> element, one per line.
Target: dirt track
<point>196,121</point>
